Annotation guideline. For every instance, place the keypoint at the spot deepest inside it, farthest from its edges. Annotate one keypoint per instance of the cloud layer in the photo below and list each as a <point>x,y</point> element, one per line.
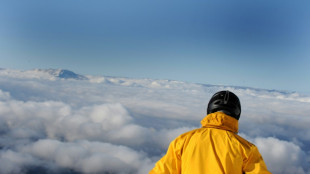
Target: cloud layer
<point>50,124</point>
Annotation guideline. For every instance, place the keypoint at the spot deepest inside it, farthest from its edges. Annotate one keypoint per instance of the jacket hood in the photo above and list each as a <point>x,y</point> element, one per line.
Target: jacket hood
<point>220,120</point>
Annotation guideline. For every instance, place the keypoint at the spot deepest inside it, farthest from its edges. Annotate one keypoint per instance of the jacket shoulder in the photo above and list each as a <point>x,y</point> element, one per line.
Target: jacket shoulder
<point>248,149</point>
<point>185,137</point>
<point>244,142</point>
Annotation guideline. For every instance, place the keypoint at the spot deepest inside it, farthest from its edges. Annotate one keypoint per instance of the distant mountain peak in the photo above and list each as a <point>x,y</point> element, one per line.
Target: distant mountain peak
<point>51,74</point>
<point>66,74</point>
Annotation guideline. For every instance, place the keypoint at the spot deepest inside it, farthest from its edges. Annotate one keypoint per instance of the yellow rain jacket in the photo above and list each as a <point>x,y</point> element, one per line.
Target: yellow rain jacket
<point>213,149</point>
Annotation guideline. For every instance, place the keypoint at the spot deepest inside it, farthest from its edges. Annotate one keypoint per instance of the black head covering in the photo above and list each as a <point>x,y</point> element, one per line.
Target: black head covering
<point>226,102</point>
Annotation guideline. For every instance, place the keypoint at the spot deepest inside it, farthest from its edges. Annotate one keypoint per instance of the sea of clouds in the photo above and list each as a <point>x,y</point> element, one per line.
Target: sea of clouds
<point>55,121</point>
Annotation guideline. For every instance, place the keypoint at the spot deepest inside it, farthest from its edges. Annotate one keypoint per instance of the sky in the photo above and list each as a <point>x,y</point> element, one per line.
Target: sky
<point>262,44</point>
<point>54,121</point>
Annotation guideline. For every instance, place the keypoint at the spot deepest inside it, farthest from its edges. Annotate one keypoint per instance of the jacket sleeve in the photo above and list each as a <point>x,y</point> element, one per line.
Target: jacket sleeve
<point>255,164</point>
<point>170,163</point>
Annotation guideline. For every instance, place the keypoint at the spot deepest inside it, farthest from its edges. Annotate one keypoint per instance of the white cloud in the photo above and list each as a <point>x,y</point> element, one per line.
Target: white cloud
<point>13,162</point>
<point>88,157</point>
<point>102,123</point>
<point>282,156</point>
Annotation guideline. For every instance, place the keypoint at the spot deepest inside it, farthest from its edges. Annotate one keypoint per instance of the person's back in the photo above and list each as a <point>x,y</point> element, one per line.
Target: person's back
<point>213,148</point>
<point>216,148</point>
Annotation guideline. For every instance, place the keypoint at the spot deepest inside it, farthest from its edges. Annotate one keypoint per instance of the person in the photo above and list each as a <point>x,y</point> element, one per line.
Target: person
<point>215,148</point>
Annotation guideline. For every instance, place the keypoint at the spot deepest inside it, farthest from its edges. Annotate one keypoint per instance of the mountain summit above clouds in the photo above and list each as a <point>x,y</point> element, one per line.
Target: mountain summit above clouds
<point>64,74</point>
<point>48,74</point>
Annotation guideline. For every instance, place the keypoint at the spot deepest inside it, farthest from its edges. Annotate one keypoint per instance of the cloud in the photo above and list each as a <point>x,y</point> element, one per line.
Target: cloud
<point>283,156</point>
<point>52,132</point>
<point>120,125</point>
<point>13,162</point>
<point>88,157</point>
<point>80,156</point>
<point>58,134</point>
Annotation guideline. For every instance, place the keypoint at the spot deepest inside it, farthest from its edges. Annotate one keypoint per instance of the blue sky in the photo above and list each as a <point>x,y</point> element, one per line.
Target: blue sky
<point>260,44</point>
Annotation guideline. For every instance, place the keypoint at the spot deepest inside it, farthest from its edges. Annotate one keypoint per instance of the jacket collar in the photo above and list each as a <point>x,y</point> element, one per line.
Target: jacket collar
<point>220,120</point>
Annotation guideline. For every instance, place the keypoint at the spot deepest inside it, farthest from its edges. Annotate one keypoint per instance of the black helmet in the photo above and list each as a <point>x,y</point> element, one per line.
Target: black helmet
<point>226,102</point>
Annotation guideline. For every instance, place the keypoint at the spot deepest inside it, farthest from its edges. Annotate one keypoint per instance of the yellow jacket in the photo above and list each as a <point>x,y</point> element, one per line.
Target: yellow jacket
<point>213,149</point>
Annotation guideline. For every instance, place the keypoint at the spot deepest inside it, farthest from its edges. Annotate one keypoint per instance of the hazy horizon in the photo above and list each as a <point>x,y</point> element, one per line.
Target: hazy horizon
<point>260,44</point>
